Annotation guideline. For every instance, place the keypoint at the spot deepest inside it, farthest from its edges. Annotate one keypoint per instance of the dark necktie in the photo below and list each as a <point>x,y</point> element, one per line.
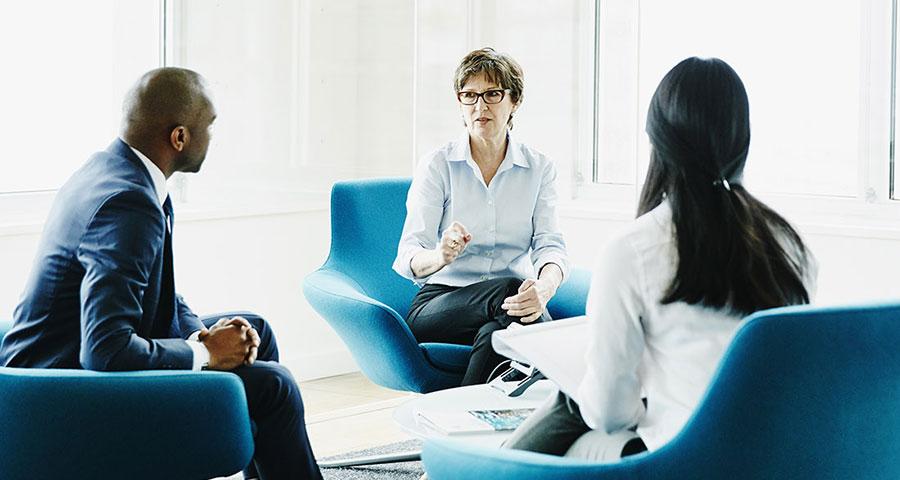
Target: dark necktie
<point>163,325</point>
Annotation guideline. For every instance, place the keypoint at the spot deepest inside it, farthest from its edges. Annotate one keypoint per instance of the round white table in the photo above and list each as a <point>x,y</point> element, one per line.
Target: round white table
<point>474,397</point>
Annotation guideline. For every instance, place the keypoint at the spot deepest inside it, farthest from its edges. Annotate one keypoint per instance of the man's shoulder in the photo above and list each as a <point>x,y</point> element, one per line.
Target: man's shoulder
<point>105,175</point>
<point>105,180</point>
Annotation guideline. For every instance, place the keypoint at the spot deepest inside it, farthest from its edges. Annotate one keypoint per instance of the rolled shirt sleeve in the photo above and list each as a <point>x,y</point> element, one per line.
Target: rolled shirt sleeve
<point>424,211</point>
<point>547,243</point>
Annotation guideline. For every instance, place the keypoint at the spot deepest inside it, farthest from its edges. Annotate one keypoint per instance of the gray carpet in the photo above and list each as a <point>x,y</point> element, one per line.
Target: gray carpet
<point>390,471</point>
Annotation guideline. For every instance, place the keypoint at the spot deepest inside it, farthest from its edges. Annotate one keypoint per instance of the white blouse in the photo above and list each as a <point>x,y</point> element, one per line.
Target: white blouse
<point>639,347</point>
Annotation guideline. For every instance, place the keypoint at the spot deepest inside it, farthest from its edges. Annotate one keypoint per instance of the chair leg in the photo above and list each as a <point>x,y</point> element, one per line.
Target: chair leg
<point>409,456</point>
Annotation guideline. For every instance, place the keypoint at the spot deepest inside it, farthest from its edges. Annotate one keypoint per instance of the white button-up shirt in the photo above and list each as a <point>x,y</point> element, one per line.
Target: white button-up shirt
<point>640,347</point>
<point>512,221</point>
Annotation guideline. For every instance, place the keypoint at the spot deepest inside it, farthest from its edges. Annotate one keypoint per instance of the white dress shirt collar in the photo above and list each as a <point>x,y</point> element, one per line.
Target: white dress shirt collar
<point>158,177</point>
<point>462,152</point>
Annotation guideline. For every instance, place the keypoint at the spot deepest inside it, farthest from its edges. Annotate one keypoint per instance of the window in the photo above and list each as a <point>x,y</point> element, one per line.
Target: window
<point>67,66</point>
<point>816,75</point>
<point>545,38</point>
<point>249,57</point>
<point>895,44</point>
<point>307,92</point>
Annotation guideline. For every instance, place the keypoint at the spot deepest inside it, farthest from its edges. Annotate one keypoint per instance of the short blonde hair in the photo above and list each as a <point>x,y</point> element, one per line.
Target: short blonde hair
<point>499,68</point>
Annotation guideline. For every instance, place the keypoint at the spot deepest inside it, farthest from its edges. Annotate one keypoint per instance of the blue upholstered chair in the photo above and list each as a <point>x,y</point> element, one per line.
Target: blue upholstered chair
<point>365,301</point>
<point>802,393</point>
<point>149,425</point>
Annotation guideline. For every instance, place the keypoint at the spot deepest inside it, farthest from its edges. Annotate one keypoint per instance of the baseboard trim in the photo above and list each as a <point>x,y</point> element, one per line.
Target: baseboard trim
<point>319,365</point>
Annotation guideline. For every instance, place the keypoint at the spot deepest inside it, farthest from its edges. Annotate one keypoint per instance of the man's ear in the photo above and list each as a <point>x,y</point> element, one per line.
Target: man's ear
<point>179,137</point>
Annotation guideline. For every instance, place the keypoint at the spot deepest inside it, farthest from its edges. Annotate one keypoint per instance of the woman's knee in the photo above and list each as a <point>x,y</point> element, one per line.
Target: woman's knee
<point>507,285</point>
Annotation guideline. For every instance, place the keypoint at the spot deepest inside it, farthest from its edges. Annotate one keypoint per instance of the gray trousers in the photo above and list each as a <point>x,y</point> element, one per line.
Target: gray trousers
<point>556,428</point>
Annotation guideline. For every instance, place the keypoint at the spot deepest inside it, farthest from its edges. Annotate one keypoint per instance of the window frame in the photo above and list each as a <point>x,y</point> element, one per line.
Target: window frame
<point>23,212</point>
<point>873,210</point>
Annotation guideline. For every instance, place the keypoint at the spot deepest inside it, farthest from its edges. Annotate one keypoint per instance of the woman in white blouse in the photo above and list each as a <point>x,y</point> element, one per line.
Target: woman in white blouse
<point>481,235</point>
<point>669,291</point>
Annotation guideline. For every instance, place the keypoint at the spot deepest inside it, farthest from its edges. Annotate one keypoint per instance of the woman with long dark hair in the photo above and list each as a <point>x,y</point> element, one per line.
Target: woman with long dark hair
<point>669,291</point>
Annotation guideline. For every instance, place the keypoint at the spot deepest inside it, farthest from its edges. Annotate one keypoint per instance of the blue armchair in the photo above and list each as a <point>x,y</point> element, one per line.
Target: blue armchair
<point>801,393</point>
<point>365,301</point>
<point>136,425</point>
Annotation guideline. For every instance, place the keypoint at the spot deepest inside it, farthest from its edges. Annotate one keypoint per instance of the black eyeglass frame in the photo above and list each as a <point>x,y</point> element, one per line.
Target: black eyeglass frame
<point>503,92</point>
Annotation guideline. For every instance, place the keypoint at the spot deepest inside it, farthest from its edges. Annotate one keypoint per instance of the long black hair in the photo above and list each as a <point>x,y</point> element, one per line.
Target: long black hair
<point>732,249</point>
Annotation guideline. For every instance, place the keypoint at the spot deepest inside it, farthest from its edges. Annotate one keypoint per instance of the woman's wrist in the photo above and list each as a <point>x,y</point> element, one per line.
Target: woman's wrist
<point>551,273</point>
<point>427,262</point>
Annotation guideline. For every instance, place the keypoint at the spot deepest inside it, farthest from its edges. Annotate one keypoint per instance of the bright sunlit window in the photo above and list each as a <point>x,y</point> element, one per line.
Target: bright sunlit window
<point>313,91</point>
<point>800,62</point>
<point>66,67</point>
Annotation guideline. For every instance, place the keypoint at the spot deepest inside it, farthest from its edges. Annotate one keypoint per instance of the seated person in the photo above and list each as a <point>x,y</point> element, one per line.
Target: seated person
<point>481,234</point>
<point>669,292</point>
<point>101,294</point>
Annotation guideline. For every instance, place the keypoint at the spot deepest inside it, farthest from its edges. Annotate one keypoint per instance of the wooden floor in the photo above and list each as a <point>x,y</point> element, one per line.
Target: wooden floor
<point>348,412</point>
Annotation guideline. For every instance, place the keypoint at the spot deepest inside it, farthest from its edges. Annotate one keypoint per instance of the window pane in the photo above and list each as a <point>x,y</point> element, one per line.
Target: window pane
<point>541,36</point>
<point>247,53</point>
<point>895,114</point>
<point>305,91</point>
<point>800,62</point>
<point>67,66</point>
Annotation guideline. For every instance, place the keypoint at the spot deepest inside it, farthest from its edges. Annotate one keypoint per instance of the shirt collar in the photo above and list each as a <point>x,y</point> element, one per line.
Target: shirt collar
<point>462,151</point>
<point>662,213</point>
<point>158,177</point>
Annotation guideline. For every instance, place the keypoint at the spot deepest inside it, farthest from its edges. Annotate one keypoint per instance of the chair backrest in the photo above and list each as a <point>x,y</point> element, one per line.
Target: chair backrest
<point>366,222</point>
<point>802,392</point>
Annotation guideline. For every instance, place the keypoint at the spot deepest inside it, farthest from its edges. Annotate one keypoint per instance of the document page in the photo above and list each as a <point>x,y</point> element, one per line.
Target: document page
<point>555,348</point>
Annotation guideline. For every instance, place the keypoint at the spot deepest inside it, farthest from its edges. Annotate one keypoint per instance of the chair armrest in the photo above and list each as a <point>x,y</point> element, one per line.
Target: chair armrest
<point>571,297</point>
<point>135,425</point>
<point>448,356</point>
<point>442,459</point>
<point>377,337</point>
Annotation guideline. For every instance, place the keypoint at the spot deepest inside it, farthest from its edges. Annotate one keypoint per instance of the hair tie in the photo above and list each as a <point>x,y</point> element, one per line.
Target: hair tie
<point>724,183</point>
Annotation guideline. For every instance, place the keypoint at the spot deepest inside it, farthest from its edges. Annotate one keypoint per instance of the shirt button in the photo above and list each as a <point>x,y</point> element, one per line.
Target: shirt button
<point>491,202</point>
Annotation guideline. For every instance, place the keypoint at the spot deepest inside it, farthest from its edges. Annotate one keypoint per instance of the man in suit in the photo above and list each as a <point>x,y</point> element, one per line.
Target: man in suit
<point>101,294</point>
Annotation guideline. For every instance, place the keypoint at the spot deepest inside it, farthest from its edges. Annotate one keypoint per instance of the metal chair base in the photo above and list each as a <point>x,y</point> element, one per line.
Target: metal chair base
<point>410,456</point>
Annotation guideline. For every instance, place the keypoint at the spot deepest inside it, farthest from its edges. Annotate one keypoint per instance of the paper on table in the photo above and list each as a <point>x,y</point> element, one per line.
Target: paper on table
<point>473,421</point>
<point>555,348</point>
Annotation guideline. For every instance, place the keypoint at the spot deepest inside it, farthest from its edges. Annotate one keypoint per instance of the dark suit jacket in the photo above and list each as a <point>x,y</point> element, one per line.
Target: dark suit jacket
<point>94,289</point>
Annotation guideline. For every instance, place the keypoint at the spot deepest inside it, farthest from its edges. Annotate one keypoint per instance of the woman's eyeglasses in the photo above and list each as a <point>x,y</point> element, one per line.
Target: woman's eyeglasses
<point>490,97</point>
